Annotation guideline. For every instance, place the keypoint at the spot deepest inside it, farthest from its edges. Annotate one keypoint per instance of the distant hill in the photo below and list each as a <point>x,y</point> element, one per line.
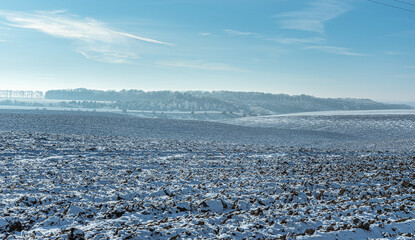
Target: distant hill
<point>243,103</point>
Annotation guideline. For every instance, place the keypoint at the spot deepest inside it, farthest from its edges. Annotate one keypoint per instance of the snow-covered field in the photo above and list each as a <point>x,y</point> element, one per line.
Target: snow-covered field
<point>392,130</point>
<point>103,176</point>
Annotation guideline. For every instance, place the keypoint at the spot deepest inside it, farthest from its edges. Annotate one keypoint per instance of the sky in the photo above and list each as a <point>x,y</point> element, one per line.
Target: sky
<point>323,48</point>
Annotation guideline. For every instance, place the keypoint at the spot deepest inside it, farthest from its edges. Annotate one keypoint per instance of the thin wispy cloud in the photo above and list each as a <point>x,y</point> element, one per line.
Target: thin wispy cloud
<point>290,41</point>
<point>405,76</point>
<point>205,34</point>
<point>403,34</point>
<point>335,50</point>
<point>314,16</point>
<point>409,33</point>
<point>392,53</point>
<point>240,33</point>
<point>94,39</point>
<point>200,65</point>
<point>412,67</point>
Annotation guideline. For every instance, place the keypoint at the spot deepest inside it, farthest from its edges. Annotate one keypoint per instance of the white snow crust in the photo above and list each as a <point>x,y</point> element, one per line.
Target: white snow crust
<point>59,186</point>
<point>100,176</point>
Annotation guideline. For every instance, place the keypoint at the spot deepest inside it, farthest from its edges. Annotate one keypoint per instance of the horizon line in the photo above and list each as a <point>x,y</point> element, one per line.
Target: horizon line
<point>210,91</point>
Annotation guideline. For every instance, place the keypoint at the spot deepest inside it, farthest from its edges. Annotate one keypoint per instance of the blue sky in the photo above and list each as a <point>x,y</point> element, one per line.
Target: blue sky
<point>324,48</point>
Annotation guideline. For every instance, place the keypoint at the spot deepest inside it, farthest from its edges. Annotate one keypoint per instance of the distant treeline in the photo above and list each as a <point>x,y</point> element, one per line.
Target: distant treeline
<point>247,103</point>
<point>21,94</point>
<point>9,102</point>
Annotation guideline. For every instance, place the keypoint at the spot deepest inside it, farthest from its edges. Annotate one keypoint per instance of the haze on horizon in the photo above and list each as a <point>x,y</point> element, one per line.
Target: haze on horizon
<point>324,48</point>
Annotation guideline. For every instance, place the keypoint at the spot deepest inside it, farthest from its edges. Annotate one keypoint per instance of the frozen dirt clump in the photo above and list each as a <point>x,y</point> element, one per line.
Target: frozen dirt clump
<point>9,226</point>
<point>76,234</point>
<point>53,186</point>
<point>212,205</point>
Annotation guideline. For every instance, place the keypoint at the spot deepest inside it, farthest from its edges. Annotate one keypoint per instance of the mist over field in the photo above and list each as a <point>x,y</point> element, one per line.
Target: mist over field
<point>199,105</point>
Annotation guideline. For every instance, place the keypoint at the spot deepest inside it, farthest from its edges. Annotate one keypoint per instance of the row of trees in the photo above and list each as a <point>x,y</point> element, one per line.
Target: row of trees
<point>239,102</point>
<point>21,94</point>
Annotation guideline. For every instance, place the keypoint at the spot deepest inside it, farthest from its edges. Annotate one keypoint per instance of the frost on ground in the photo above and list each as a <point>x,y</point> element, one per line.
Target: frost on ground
<point>60,186</point>
<point>392,130</point>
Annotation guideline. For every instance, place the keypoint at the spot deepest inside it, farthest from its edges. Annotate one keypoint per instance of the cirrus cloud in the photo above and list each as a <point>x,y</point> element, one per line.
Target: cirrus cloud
<point>94,39</point>
<point>201,65</point>
<point>313,17</point>
<point>336,50</point>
